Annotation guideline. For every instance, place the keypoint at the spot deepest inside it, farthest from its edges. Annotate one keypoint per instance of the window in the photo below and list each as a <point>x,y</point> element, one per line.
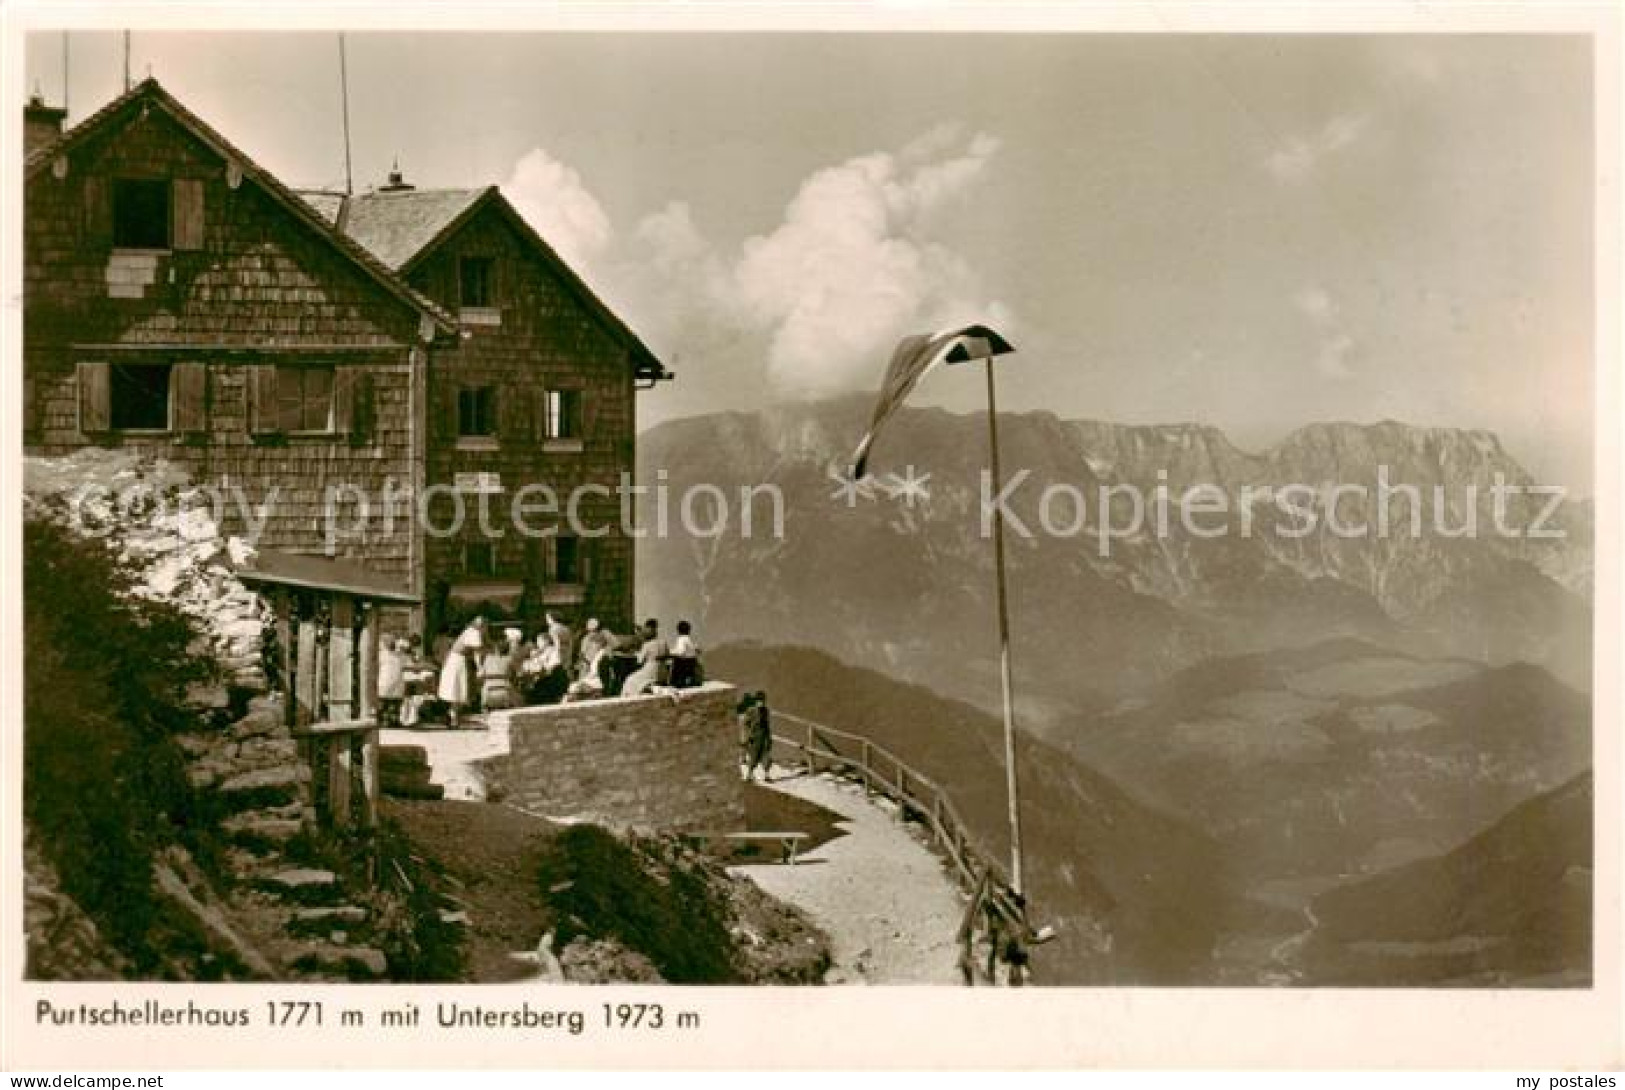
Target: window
<point>480,559</point>
<point>304,398</point>
<point>138,396</point>
<point>563,414</point>
<point>475,282</point>
<point>566,560</point>
<point>141,213</point>
<point>477,412</point>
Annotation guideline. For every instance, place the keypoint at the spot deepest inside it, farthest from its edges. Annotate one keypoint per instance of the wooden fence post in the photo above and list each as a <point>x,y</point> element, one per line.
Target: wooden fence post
<point>367,702</point>
<point>339,770</point>
<point>341,659</point>
<point>369,778</point>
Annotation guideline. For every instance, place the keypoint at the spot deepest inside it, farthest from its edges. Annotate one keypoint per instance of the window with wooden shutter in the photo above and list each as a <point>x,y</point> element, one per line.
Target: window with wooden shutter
<point>343,397</point>
<point>95,398</point>
<point>262,400</point>
<point>190,384</point>
<point>443,417</point>
<point>188,230</point>
<point>97,223</point>
<point>562,416</point>
<point>306,400</point>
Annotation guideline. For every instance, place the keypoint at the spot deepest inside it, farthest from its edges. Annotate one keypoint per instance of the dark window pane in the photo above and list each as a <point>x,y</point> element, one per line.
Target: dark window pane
<point>567,560</point>
<point>304,398</point>
<point>479,558</point>
<point>474,278</point>
<point>476,411</point>
<point>139,396</point>
<point>141,213</point>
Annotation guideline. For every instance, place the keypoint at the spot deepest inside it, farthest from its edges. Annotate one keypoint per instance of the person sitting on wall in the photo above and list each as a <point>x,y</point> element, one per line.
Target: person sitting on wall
<point>685,658</point>
<point>593,642</point>
<point>652,659</point>
<point>545,678</point>
<point>457,675</point>
<point>562,638</point>
<point>496,690</point>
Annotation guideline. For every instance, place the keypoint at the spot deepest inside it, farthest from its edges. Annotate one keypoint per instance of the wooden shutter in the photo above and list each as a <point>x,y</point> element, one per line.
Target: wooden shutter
<point>586,554</point>
<point>31,413</point>
<point>98,211</point>
<point>95,398</point>
<point>262,405</point>
<point>188,214</point>
<point>443,408</point>
<point>588,411</point>
<point>189,387</point>
<point>343,400</point>
<point>363,409</point>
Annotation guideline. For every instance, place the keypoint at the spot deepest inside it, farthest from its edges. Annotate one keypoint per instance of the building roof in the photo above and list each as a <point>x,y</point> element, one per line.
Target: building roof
<point>402,227</point>
<point>148,93</point>
<point>399,225</point>
<point>271,567</point>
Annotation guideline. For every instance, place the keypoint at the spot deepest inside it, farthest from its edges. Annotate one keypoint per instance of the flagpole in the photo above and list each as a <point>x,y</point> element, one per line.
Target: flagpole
<point>1004,635</point>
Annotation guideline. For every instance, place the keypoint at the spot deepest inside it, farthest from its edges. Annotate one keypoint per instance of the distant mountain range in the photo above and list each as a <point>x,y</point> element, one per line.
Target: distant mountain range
<point>1229,736</point>
<point>1342,758</point>
<point>1137,893</point>
<point>908,589</point>
<point>1510,906</point>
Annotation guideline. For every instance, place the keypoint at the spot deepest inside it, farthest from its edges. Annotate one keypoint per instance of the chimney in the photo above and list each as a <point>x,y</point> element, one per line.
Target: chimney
<point>42,124</point>
<point>397,182</point>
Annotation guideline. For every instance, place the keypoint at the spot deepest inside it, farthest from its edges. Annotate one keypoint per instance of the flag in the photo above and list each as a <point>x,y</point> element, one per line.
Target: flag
<point>913,357</point>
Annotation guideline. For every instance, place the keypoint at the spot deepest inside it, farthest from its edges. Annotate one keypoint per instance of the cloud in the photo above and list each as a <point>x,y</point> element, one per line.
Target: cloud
<point>554,200</point>
<point>1335,349</point>
<point>856,263</point>
<point>1300,156</point>
<point>857,260</point>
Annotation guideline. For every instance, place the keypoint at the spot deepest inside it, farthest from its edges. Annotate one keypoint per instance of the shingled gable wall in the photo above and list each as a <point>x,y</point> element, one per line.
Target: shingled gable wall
<point>258,287</point>
<point>546,337</point>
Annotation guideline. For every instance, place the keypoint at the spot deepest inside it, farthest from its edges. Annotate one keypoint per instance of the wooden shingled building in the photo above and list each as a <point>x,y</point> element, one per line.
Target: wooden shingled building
<point>323,353</point>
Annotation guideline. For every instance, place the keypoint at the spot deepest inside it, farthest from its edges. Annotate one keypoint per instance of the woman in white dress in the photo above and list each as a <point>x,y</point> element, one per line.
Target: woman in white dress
<point>457,673</point>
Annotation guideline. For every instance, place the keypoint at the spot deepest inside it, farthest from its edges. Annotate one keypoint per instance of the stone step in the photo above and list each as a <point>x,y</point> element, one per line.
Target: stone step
<point>328,922</point>
<point>354,962</point>
<point>262,788</point>
<point>308,886</point>
<point>429,792</point>
<point>261,828</point>
<point>402,755</point>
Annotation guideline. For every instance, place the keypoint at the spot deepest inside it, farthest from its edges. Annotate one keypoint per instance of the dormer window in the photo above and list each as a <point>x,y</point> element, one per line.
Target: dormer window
<point>474,278</point>
<point>476,291</point>
<point>141,214</point>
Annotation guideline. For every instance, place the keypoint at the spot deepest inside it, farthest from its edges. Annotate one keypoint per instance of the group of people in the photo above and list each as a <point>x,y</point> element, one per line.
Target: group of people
<point>485,671</point>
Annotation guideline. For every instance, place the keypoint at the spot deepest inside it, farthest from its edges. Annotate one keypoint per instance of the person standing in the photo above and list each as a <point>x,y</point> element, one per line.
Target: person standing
<point>685,658</point>
<point>594,642</point>
<point>391,680</point>
<point>456,676</point>
<point>652,658</point>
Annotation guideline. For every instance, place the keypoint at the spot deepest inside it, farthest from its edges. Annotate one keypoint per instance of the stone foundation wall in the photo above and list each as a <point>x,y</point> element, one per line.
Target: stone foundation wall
<point>646,762</point>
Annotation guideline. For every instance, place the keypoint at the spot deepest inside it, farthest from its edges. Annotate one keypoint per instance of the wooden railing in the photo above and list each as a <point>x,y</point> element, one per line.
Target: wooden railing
<point>343,760</point>
<point>995,915</point>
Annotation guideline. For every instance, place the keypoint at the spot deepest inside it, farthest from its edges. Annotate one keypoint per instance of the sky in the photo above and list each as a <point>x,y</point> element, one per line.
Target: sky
<point>1255,232</point>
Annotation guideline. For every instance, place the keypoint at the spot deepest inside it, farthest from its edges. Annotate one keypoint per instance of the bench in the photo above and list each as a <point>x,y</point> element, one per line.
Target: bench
<point>789,842</point>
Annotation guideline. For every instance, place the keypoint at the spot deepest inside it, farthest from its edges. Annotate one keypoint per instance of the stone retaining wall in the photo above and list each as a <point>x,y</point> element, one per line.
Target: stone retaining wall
<point>646,762</point>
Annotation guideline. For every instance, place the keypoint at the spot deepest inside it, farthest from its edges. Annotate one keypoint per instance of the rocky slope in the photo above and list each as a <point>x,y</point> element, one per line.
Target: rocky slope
<point>907,589</point>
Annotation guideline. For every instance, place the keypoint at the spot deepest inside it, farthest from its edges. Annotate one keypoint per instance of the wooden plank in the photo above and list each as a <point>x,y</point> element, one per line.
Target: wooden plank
<point>190,397</point>
<point>307,685</point>
<point>341,659</point>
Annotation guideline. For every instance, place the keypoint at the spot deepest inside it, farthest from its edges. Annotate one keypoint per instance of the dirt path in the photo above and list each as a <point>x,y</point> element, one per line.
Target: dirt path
<point>884,899</point>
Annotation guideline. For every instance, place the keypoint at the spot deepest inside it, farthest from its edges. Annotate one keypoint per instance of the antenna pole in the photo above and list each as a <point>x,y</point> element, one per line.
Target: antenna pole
<point>64,72</point>
<point>344,96</point>
<point>126,60</point>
